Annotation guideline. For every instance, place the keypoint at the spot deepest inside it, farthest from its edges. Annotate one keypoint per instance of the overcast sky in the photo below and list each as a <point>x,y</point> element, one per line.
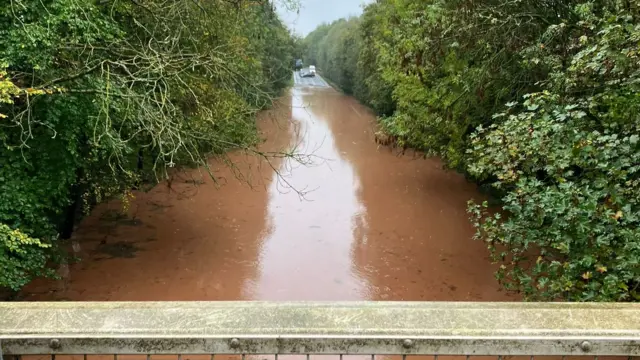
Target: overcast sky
<point>315,12</point>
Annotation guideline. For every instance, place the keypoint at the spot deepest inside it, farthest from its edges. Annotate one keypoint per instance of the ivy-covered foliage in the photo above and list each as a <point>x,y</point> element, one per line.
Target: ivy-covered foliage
<point>569,158</point>
<point>539,99</point>
<point>23,257</point>
<point>96,96</point>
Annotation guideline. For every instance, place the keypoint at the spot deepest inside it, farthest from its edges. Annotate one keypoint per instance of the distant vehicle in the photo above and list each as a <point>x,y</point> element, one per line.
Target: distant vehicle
<point>298,66</point>
<point>309,72</point>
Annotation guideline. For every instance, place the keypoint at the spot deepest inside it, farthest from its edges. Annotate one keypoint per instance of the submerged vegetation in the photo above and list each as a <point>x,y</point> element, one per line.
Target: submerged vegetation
<point>98,96</point>
<point>538,99</point>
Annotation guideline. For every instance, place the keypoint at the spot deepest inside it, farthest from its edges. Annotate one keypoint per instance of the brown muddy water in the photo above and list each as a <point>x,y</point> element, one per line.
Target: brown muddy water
<point>342,220</point>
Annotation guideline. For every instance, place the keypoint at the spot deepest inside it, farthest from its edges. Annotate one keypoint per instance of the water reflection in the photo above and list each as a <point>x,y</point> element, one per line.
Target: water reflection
<point>314,214</point>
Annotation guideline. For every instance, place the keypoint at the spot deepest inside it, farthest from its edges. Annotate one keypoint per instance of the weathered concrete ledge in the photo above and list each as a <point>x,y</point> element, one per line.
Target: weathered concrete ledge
<point>320,328</point>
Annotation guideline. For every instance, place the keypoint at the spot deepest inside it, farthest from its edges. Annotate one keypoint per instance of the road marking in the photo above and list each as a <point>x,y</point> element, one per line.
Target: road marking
<point>354,109</point>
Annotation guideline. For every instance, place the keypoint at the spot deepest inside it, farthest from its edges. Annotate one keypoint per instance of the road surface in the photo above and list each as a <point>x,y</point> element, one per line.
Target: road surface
<point>312,81</point>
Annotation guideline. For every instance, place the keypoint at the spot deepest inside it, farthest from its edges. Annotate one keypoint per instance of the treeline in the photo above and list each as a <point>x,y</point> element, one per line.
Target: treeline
<point>98,97</point>
<point>538,98</point>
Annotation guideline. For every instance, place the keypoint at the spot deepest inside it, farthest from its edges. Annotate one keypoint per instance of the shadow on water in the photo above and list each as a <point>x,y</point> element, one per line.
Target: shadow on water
<point>188,243</point>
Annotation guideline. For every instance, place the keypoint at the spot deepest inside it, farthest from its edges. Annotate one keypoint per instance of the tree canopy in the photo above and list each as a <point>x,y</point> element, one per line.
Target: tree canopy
<point>96,96</point>
<point>538,99</point>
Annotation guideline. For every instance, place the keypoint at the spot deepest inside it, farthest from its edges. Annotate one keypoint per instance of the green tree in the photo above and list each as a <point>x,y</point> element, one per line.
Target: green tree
<point>96,96</point>
<point>562,156</point>
<point>569,160</point>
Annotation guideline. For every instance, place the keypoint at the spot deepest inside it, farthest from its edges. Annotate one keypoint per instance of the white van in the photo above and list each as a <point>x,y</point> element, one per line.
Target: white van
<point>312,70</point>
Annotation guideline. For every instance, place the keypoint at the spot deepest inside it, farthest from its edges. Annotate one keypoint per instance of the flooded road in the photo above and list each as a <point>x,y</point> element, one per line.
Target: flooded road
<point>326,215</point>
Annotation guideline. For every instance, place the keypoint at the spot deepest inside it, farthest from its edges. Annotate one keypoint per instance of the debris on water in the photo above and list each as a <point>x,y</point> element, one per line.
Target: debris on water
<point>119,249</point>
